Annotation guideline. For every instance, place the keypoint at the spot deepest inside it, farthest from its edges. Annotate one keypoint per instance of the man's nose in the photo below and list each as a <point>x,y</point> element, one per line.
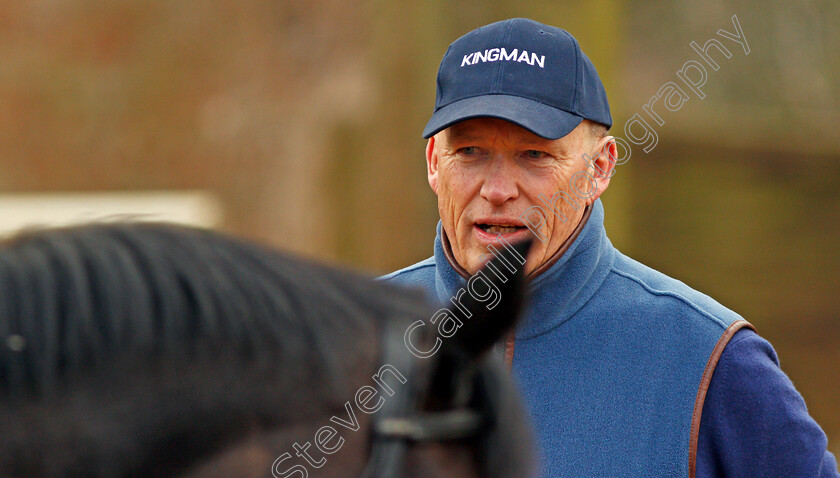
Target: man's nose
<point>501,182</point>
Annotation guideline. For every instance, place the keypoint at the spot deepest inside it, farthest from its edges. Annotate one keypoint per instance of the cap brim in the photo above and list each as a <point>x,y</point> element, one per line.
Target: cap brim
<point>536,117</point>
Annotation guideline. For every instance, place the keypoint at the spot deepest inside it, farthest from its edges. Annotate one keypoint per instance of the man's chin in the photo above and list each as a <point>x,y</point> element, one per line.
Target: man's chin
<point>478,260</point>
<point>474,261</point>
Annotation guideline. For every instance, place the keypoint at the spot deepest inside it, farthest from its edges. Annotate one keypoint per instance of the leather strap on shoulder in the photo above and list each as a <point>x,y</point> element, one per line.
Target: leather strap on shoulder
<point>704,387</point>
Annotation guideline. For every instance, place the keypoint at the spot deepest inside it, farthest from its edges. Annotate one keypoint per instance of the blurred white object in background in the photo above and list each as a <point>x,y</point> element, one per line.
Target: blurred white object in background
<point>28,210</point>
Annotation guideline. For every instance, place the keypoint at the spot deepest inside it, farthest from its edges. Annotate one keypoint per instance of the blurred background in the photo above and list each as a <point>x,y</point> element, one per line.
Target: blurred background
<point>297,123</point>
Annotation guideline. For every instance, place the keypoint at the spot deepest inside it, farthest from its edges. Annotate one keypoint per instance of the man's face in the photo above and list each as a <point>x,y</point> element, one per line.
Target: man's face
<point>487,172</point>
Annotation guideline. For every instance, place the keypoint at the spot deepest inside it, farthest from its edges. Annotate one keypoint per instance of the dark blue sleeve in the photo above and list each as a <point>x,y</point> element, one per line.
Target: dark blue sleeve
<point>754,422</point>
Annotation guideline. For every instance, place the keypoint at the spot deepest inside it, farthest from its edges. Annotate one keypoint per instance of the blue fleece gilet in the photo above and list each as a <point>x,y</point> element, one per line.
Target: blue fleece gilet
<point>609,357</point>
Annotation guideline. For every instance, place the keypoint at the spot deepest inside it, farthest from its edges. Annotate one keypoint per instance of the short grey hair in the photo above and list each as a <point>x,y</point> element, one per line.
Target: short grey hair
<point>597,129</point>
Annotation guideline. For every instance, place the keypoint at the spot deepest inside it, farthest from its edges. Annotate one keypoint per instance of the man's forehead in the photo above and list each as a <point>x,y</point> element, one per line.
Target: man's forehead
<point>478,128</point>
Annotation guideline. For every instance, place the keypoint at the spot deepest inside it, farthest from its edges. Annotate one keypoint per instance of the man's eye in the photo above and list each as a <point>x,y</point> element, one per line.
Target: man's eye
<point>469,150</point>
<point>534,154</point>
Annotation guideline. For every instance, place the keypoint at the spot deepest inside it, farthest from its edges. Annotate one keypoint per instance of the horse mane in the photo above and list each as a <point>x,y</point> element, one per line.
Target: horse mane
<point>114,335</point>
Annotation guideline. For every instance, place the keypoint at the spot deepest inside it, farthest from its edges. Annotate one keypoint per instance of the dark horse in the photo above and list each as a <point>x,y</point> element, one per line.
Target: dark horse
<point>152,350</point>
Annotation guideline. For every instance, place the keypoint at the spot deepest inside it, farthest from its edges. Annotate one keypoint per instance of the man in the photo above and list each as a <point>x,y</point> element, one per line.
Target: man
<point>626,372</point>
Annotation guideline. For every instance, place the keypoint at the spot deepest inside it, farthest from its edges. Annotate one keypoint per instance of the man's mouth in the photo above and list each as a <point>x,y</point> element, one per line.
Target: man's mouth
<point>495,229</point>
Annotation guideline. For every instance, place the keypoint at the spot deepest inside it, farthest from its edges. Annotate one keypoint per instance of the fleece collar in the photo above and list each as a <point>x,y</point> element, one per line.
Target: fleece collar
<point>558,289</point>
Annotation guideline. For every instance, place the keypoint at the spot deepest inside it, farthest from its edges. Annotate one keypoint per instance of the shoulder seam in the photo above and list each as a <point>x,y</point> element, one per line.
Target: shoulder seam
<point>424,263</point>
<point>675,295</point>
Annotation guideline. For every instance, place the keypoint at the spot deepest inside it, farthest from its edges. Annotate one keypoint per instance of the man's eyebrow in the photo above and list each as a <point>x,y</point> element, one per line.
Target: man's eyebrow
<point>461,136</point>
<point>536,143</point>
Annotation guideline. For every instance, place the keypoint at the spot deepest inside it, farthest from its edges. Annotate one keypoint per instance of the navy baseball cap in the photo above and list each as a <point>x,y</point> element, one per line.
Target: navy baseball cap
<point>522,71</point>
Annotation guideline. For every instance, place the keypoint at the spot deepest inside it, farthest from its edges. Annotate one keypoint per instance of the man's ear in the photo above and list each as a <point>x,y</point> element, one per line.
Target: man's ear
<point>603,165</point>
<point>432,164</point>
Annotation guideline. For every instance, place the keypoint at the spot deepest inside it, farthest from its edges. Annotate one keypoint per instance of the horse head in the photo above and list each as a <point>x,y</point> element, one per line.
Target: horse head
<point>131,349</point>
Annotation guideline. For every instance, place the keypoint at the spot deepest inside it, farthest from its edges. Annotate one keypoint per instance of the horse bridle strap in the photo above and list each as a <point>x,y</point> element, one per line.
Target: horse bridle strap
<point>400,422</point>
<point>437,426</point>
